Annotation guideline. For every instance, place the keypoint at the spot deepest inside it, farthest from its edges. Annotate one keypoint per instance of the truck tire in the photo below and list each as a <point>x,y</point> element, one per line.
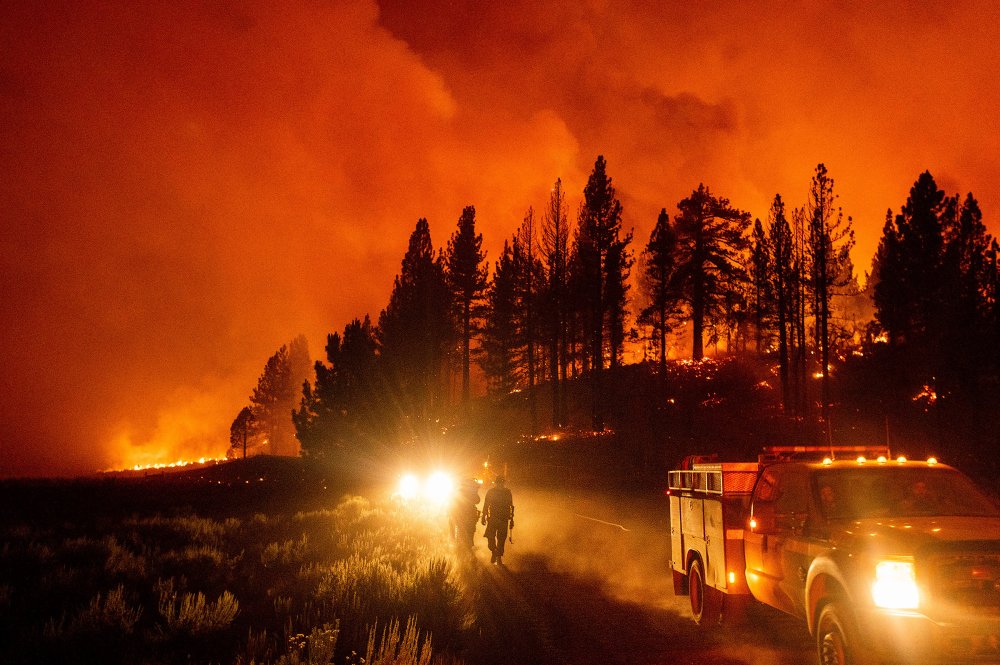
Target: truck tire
<point>837,640</point>
<point>706,602</point>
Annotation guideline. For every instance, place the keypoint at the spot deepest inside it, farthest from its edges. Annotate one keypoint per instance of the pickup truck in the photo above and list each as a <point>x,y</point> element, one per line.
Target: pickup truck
<point>884,559</point>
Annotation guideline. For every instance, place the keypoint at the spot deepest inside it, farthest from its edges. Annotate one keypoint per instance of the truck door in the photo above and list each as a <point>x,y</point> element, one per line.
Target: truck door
<point>792,516</point>
<point>758,540</point>
<point>777,512</point>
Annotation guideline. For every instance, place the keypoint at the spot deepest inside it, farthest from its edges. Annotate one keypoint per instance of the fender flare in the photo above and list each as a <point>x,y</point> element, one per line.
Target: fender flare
<point>825,580</point>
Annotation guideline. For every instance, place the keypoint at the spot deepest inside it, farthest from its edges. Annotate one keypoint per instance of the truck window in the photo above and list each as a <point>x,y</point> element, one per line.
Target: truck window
<point>899,492</point>
<point>794,498</point>
<point>762,505</point>
<point>781,498</point>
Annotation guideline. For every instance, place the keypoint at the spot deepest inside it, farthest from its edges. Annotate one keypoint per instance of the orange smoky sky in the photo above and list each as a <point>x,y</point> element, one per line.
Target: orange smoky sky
<point>189,185</point>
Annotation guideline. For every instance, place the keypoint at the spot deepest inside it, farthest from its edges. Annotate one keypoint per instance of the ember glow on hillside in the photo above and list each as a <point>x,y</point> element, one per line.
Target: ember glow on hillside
<point>188,186</point>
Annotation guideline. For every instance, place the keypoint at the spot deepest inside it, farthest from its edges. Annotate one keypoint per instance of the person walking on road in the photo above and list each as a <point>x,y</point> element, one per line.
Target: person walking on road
<point>498,516</point>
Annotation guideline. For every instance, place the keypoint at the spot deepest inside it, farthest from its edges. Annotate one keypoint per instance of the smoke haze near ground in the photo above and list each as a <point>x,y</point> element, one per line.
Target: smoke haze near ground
<point>589,572</point>
<point>188,186</point>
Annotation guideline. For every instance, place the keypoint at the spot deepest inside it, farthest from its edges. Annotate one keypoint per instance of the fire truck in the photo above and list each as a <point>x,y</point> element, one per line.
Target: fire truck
<point>884,559</point>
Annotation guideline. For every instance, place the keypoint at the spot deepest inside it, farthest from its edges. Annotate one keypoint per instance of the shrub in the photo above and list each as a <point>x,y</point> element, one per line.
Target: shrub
<point>109,613</point>
<point>201,555</point>
<point>397,649</point>
<point>316,648</point>
<point>192,615</point>
<point>121,561</point>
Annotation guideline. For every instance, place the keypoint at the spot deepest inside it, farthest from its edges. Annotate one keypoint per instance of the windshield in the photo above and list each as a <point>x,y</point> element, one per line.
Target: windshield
<point>898,492</point>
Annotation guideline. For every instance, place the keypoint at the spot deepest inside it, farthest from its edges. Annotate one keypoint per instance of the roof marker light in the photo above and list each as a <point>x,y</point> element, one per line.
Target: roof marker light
<point>861,459</point>
<point>901,459</point>
<point>881,459</point>
<point>827,461</point>
<point>931,461</point>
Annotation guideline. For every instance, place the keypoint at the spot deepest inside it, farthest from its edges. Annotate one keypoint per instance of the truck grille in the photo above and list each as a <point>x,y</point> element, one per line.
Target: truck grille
<point>966,580</point>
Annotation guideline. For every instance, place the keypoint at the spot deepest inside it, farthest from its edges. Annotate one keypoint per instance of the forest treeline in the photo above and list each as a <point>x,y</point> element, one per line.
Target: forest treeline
<point>566,298</point>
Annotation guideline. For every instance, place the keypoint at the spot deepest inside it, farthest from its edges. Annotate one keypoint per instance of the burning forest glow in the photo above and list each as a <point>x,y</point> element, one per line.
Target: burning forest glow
<point>927,395</point>
<point>158,154</point>
<point>173,465</point>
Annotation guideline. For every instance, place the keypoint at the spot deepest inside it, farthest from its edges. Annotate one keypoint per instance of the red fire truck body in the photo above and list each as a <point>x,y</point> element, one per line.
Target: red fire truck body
<point>884,559</point>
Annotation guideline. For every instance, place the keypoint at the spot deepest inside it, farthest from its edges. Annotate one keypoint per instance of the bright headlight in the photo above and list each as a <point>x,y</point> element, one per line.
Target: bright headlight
<point>895,585</point>
<point>409,487</point>
<point>439,487</point>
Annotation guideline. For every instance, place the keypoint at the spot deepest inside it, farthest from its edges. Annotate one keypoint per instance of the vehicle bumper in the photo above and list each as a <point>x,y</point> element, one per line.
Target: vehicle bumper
<point>907,637</point>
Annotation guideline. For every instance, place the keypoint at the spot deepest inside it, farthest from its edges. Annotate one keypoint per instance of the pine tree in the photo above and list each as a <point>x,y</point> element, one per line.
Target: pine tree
<point>992,279</point>
<point>616,288</point>
<point>888,292</point>
<point>830,241</point>
<point>798,347</point>
<point>555,252</point>
<point>415,332</point>
<point>598,238</point>
<point>781,289</point>
<point>761,273</point>
<point>270,429</point>
<point>467,278</point>
<point>967,306</point>
<point>711,240</point>
<point>342,409</point>
<point>658,279</point>
<point>529,281</point>
<point>242,434</point>
<point>498,353</point>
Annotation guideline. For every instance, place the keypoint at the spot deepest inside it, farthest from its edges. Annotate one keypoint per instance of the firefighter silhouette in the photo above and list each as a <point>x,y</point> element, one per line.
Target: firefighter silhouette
<point>498,516</point>
<point>464,513</point>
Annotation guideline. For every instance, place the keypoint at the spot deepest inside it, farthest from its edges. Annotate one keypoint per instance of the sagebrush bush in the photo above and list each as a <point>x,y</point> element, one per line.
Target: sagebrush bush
<point>289,552</point>
<point>193,615</point>
<point>121,561</point>
<point>199,555</point>
<point>106,613</point>
<point>397,648</point>
<point>316,648</point>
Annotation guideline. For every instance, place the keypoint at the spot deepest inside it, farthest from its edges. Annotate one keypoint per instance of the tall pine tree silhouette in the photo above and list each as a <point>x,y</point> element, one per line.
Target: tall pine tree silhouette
<point>467,278</point>
<point>415,333</point>
<point>659,268</point>
<point>711,240</point>
<point>600,247</point>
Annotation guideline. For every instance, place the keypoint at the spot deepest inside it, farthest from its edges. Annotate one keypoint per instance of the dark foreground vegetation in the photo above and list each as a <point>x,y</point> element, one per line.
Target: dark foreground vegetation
<point>264,561</point>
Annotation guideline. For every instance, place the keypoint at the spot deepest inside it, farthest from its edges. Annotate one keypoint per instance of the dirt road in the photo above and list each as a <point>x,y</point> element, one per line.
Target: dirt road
<point>587,580</point>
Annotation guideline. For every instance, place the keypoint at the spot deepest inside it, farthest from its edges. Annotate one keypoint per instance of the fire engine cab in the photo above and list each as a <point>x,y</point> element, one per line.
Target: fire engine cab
<point>885,559</point>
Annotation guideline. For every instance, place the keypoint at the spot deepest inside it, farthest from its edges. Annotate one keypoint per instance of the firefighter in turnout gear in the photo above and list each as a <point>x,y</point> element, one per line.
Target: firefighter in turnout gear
<point>498,516</point>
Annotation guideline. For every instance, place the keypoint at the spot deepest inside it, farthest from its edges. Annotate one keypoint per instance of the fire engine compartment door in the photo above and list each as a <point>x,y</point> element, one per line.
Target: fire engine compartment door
<point>676,539</point>
<point>701,530</point>
<point>715,532</point>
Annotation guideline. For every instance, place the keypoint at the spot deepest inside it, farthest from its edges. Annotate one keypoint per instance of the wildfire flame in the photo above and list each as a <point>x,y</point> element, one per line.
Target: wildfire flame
<point>177,464</point>
<point>927,395</point>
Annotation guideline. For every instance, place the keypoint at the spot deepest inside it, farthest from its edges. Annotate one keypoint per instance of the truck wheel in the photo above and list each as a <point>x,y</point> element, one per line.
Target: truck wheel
<point>706,602</point>
<point>837,639</point>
